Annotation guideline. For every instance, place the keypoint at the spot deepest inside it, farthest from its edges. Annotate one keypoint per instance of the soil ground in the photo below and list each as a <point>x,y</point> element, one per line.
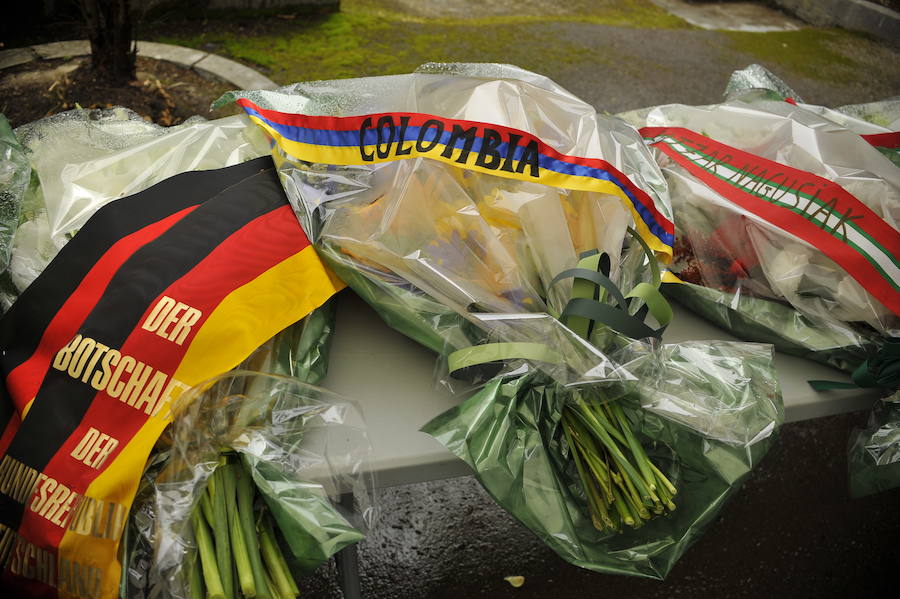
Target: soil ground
<point>162,92</point>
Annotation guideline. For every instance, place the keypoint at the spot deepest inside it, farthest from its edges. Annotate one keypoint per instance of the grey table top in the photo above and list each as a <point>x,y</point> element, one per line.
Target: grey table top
<point>392,378</point>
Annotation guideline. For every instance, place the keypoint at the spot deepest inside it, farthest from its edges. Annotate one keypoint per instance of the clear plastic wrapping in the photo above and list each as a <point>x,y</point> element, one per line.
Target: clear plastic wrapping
<point>874,451</point>
<point>15,173</point>
<point>299,352</point>
<point>454,248</point>
<point>304,446</point>
<point>437,244</point>
<point>705,435</point>
<point>85,159</point>
<point>770,283</point>
<point>722,391</point>
<point>766,283</point>
<point>541,291</point>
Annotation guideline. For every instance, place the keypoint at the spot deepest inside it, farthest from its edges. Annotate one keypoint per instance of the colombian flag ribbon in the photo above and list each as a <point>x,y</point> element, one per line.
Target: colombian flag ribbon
<point>472,145</point>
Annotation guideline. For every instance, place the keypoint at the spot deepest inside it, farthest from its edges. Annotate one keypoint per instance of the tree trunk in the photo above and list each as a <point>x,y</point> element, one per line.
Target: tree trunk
<point>112,40</point>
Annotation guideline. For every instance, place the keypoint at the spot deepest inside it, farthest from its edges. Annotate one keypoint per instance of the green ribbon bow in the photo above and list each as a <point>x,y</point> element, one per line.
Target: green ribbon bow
<point>584,309</point>
<point>880,370</point>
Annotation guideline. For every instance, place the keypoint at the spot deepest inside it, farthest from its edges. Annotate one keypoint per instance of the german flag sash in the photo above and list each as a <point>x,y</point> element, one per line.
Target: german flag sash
<point>158,292</point>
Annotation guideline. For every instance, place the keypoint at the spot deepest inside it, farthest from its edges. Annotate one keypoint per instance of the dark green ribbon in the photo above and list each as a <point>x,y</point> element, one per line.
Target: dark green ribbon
<point>585,308</point>
<point>598,278</point>
<point>592,280</point>
<point>616,319</point>
<point>880,370</point>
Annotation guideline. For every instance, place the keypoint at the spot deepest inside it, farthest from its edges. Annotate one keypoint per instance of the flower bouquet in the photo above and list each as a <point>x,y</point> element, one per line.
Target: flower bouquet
<point>498,220</point>
<point>787,224</point>
<point>138,269</point>
<point>249,497</point>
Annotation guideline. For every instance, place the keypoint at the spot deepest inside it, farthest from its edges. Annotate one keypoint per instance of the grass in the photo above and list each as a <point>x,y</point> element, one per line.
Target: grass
<point>376,37</point>
<point>820,54</point>
<point>366,39</point>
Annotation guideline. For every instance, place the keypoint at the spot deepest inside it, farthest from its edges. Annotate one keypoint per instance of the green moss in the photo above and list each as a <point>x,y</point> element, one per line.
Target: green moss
<point>816,53</point>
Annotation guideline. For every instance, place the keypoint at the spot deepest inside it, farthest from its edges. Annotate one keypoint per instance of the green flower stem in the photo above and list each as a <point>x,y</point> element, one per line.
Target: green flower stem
<point>598,469</point>
<point>207,558</point>
<point>239,549</point>
<point>640,456</point>
<point>592,457</point>
<point>248,529</point>
<point>275,562</point>
<point>640,506</point>
<point>623,495</point>
<point>295,590</point>
<point>621,483</point>
<point>597,419</point>
<point>271,589</point>
<point>220,531</point>
<point>665,481</point>
<point>595,504</point>
<point>622,507</point>
<point>665,499</point>
<point>242,560</point>
<point>206,508</point>
<point>664,496</point>
<point>605,518</point>
<point>228,485</point>
<point>197,590</point>
<point>622,461</point>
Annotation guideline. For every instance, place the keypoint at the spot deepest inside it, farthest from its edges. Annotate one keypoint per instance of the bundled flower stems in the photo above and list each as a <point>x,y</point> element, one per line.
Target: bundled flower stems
<point>621,483</point>
<point>238,551</point>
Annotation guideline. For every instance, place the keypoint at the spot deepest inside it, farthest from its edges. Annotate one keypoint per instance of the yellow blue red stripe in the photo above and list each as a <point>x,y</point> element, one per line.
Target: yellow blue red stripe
<point>483,147</point>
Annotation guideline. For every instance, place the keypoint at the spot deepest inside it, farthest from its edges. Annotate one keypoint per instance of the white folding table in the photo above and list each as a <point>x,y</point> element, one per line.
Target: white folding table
<point>392,378</point>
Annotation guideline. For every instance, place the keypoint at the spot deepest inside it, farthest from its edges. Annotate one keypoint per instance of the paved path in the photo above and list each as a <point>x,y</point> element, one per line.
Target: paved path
<point>241,76</point>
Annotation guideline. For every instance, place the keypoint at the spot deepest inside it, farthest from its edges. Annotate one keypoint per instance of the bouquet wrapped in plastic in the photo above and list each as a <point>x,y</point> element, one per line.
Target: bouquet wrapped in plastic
<point>300,447</point>
<point>787,216</point>
<point>498,220</point>
<point>787,222</point>
<point>300,353</point>
<point>144,261</point>
<point>85,159</point>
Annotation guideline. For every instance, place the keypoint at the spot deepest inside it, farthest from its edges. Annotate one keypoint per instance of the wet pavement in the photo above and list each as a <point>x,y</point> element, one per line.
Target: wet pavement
<point>619,56</point>
<point>731,16</point>
<point>791,531</point>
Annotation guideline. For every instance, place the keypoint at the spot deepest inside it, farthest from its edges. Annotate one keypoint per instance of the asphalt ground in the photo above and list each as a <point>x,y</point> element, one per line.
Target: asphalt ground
<point>615,54</point>
<point>791,531</point>
<point>619,56</point>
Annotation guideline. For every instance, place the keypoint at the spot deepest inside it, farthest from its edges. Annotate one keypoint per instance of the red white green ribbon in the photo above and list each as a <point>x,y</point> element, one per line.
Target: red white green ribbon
<point>810,207</point>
